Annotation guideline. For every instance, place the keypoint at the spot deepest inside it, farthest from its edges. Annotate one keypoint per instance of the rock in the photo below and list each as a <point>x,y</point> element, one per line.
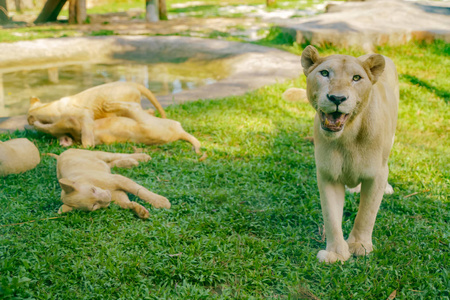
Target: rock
<point>373,23</point>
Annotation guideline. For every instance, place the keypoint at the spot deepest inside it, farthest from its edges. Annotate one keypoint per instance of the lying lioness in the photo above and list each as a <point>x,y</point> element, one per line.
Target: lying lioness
<point>356,100</point>
<point>87,183</point>
<point>91,105</point>
<point>18,156</point>
<point>138,126</point>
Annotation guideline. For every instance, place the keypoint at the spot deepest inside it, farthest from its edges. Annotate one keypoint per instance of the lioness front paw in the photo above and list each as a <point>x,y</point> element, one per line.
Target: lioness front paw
<point>124,163</point>
<point>332,257</point>
<point>359,248</point>
<point>139,210</point>
<point>337,251</point>
<point>141,157</point>
<point>161,202</point>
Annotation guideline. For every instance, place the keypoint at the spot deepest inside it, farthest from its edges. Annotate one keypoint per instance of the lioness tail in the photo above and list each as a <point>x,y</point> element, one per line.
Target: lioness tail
<point>51,154</point>
<point>147,93</point>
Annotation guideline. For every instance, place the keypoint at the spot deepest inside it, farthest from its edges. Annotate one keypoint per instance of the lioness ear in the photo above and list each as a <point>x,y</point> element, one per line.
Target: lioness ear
<point>309,57</point>
<point>64,208</point>
<point>375,64</point>
<point>34,100</point>
<point>67,185</point>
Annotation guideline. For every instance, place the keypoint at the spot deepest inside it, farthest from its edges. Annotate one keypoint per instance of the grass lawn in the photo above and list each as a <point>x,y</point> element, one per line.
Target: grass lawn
<point>245,223</point>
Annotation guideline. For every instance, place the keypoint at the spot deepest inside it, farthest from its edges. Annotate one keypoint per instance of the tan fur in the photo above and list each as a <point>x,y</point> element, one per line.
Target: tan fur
<point>351,147</point>
<point>87,183</point>
<point>137,126</point>
<point>295,95</point>
<point>90,105</point>
<point>18,156</point>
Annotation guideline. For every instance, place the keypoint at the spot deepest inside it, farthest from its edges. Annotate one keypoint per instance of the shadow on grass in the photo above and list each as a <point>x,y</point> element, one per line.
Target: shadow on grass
<point>437,91</point>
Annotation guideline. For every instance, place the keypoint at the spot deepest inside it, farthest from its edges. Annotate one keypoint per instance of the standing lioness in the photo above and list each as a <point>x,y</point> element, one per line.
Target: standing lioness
<point>356,100</point>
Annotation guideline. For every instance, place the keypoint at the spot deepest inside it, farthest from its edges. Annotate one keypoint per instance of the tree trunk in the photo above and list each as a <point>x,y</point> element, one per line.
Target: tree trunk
<point>77,11</point>
<point>2,95</point>
<point>271,3</point>
<point>3,12</point>
<point>72,11</point>
<point>162,10</point>
<point>81,11</point>
<point>152,11</point>
<point>18,5</point>
<point>50,12</point>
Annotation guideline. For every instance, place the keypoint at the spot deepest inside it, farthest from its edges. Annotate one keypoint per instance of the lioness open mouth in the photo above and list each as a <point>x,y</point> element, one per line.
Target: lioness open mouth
<point>334,121</point>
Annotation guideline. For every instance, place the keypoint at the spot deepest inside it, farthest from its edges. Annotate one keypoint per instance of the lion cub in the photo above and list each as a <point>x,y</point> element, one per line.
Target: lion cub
<point>18,156</point>
<point>90,105</point>
<point>87,183</point>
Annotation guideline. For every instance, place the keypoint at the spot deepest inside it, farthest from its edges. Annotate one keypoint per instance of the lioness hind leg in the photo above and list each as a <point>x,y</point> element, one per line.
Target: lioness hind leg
<point>389,190</point>
<point>109,157</point>
<point>123,109</point>
<point>128,185</point>
<point>356,189</point>
<point>128,160</point>
<point>191,139</point>
<point>120,198</point>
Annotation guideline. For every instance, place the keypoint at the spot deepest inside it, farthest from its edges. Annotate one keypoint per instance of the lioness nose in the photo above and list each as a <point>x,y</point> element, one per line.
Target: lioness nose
<point>336,99</point>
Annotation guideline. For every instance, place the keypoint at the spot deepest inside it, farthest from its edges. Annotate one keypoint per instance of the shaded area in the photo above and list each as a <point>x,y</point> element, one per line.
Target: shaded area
<point>435,9</point>
<point>51,10</point>
<point>444,94</point>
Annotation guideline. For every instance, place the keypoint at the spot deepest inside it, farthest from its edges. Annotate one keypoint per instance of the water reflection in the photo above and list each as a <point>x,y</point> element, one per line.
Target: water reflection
<point>52,83</point>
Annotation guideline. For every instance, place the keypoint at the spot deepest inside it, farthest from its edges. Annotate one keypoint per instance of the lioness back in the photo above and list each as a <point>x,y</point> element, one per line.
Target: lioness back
<point>18,156</point>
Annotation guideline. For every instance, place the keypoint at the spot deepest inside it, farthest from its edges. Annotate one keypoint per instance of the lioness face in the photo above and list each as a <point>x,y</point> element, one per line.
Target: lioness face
<point>36,113</point>
<point>338,86</point>
<point>84,196</point>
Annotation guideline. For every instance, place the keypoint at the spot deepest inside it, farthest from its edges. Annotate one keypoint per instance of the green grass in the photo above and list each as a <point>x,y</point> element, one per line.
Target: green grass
<point>37,32</point>
<point>246,222</point>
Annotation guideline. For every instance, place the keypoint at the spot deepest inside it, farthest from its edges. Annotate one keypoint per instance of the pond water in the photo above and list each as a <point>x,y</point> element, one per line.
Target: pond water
<point>53,83</point>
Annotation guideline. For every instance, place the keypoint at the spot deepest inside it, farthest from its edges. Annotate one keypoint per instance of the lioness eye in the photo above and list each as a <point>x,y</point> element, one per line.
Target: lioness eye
<point>324,73</point>
<point>356,78</point>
